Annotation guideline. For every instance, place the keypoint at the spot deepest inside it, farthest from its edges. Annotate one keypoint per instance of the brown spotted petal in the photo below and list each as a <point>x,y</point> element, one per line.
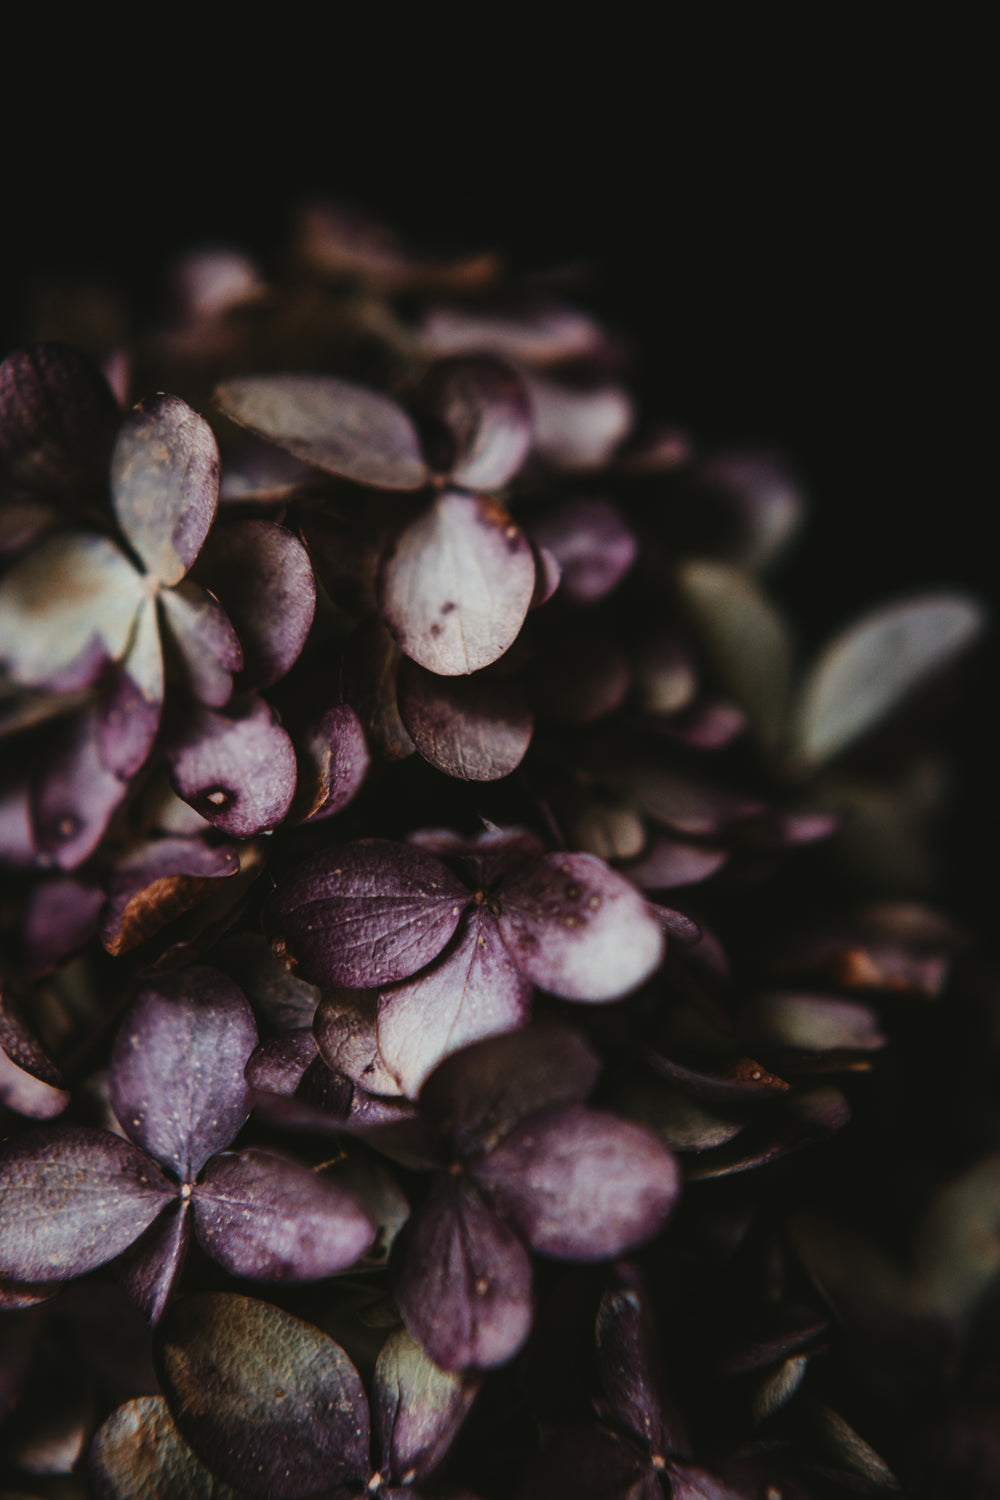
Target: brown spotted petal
<point>538,333</point>
<point>474,728</point>
<point>418,1408</point>
<point>578,929</point>
<point>72,1198</point>
<point>582,1184</point>
<point>57,421</point>
<point>455,587</point>
<point>157,883</point>
<point>271,1405</point>
<point>165,484</point>
<point>366,914</point>
<point>465,1285</point>
<point>262,1214</point>
<point>332,424</point>
<point>206,648</point>
<point>473,991</point>
<point>236,769</point>
<point>479,421</point>
<point>139,1455</point>
<point>175,1078</point>
<point>593,545</point>
<point>262,576</point>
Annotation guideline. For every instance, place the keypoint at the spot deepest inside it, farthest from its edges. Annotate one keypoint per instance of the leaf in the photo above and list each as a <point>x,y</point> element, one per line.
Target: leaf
<point>237,769</point>
<point>473,991</point>
<point>262,576</point>
<point>175,1078</point>
<point>539,333</point>
<point>165,484</point>
<point>72,1198</point>
<point>582,1184</point>
<point>268,1402</point>
<point>333,424</point>
<point>871,667</point>
<point>592,543</point>
<point>456,585</point>
<point>139,1455</point>
<point>418,1409</point>
<point>262,1214</point>
<point>464,1288</point>
<point>473,728</point>
<point>578,929</point>
<point>366,914</point>
<point>745,638</point>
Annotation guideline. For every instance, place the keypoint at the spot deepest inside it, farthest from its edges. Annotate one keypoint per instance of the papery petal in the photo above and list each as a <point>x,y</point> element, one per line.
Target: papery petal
<point>66,610</point>
<point>478,413</point>
<point>346,1035</point>
<point>418,1408</point>
<point>578,929</point>
<point>175,1079</point>
<point>262,576</point>
<point>333,424</point>
<point>60,918</point>
<point>57,421</point>
<point>455,587</point>
<point>72,1198</point>
<point>268,1402</point>
<point>236,769</point>
<point>19,1043</point>
<point>473,991</point>
<point>165,484</point>
<point>697,808</point>
<point>481,1094</point>
<point>133,699</point>
<point>815,1023</point>
<point>366,914</point>
<point>262,1214</point>
<point>464,1288</point>
<point>333,761</point>
<point>280,999</point>
<point>207,650</point>
<point>27,1095</point>
<point>156,884</point>
<point>74,796</point>
<point>139,1455</point>
<point>541,333</point>
<point>473,728</point>
<point>766,499</point>
<point>582,1184</point>
<point>592,543</point>
<point>578,429</point>
<point>671,862</point>
<point>630,1367</point>
<point>368,678</point>
<point>149,1269</point>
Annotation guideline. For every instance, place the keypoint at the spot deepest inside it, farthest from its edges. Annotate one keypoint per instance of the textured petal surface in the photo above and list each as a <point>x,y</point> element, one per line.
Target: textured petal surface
<point>332,424</point>
<point>465,1285</point>
<point>165,484</point>
<point>262,1214</point>
<point>72,1198</point>
<point>156,884</point>
<point>473,728</point>
<point>333,761</point>
<point>236,769</point>
<point>206,648</point>
<point>582,1184</point>
<point>480,410</point>
<point>262,576</point>
<point>418,1408</point>
<point>150,1268</point>
<point>139,1455</point>
<point>629,1366</point>
<point>346,1035</point>
<point>176,1073</point>
<point>578,929</point>
<point>473,991</point>
<point>270,1403</point>
<point>74,796</point>
<point>366,914</point>
<point>456,586</point>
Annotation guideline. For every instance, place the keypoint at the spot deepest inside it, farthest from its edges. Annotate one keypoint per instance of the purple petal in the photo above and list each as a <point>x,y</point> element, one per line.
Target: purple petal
<point>133,699</point>
<point>630,1367</point>
<point>345,1033</point>
<point>236,769</point>
<point>74,797</point>
<point>746,1081</point>
<point>581,1184</point>
<point>27,1095</point>
<point>547,576</point>
<point>766,500</point>
<point>475,728</point>
<point>366,914</point>
<point>139,1455</point>
<point>277,1065</point>
<point>593,545</point>
<point>66,610</point>
<point>165,484</point>
<point>60,918</point>
<point>683,803</point>
<point>333,761</point>
<point>156,884</point>
<point>262,1214</point>
<point>456,586</point>
<point>207,650</point>
<point>294,1089</point>
<point>332,424</point>
<point>175,1079</point>
<point>150,1268</point>
<point>472,992</point>
<point>271,1405</point>
<point>72,1198</point>
<point>57,421</point>
<point>418,1408</point>
<point>671,862</point>
<point>542,333</point>
<point>706,726</point>
<point>479,410</point>
<point>578,429</point>
<point>368,681</point>
<point>280,999</point>
<point>262,575</point>
<point>875,664</point>
<point>17,836</point>
<point>20,1044</point>
<point>578,929</point>
<point>482,1093</point>
<point>465,1286</point>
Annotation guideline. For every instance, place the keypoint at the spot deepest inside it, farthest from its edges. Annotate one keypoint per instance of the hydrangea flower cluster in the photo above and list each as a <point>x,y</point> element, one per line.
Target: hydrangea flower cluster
<point>449,929</point>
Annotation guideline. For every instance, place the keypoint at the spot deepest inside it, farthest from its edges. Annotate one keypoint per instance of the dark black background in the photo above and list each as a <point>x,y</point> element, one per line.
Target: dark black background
<point>797,228</point>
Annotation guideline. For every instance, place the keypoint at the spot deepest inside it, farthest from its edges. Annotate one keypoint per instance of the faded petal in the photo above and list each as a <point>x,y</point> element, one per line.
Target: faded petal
<point>139,1455</point>
<point>207,650</point>
<point>236,769</point>
<point>480,423</point>
<point>418,1408</point>
<point>262,575</point>
<point>473,728</point>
